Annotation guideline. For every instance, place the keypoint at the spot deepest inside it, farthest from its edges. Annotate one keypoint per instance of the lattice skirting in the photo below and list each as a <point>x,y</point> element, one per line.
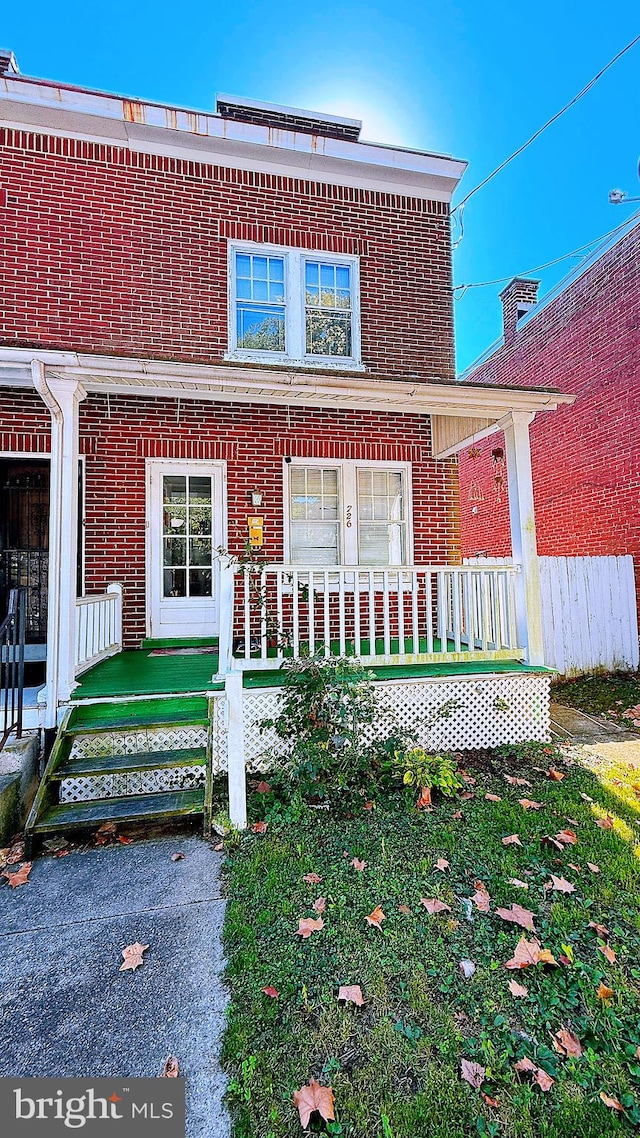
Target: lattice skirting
<point>128,742</point>
<point>452,715</point>
<point>88,787</point>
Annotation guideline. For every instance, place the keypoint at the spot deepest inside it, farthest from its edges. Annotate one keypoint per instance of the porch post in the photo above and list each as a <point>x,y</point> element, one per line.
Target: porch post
<point>235,751</point>
<point>63,398</point>
<point>523,534</point>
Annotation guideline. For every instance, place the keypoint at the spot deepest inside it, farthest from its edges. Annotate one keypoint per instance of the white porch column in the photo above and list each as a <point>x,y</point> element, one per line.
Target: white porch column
<point>523,533</point>
<point>63,398</point>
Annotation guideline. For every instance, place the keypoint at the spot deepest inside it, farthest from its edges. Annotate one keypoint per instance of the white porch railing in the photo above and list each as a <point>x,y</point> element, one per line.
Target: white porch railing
<point>395,614</point>
<point>98,631</point>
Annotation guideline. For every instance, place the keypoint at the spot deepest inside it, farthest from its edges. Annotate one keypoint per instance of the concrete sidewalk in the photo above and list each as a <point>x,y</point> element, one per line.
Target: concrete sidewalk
<point>66,1009</point>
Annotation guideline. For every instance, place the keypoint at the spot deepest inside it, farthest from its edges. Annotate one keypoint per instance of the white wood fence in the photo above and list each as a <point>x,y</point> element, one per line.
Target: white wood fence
<point>589,612</point>
<point>98,627</point>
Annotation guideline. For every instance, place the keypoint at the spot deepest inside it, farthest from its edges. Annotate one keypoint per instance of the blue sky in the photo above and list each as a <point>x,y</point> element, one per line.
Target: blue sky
<point>472,78</point>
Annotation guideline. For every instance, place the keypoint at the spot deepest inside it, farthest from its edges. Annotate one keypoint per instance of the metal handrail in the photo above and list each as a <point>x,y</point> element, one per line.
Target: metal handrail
<point>12,638</point>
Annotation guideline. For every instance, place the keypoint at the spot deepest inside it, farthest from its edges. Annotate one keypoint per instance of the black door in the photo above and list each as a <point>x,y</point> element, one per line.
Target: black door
<point>24,539</point>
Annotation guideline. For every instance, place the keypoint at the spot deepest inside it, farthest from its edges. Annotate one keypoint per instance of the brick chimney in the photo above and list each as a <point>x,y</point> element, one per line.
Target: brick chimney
<point>517,298</point>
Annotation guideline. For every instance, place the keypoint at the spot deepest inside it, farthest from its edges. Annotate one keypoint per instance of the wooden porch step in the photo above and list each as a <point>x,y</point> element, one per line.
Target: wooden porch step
<point>127,764</point>
<point>134,808</point>
<point>191,711</point>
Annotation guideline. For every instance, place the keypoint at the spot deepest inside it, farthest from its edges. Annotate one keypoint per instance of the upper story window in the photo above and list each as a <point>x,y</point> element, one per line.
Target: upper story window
<point>293,306</point>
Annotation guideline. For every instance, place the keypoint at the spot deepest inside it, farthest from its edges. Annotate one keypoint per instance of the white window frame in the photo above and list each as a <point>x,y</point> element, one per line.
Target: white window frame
<point>348,497</point>
<point>294,306</point>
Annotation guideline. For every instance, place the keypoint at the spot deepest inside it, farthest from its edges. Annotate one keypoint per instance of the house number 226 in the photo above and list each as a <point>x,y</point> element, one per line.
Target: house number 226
<point>349,512</point>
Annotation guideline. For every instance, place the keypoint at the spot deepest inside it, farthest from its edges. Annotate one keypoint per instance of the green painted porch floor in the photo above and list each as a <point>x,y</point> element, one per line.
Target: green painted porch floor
<point>138,673</point>
<point>275,678</point>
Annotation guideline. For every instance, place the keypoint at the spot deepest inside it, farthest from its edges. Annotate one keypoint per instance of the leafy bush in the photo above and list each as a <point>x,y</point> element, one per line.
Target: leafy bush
<point>418,768</point>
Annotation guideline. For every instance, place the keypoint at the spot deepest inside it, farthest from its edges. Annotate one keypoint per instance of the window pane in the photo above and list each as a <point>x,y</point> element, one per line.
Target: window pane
<point>260,290</point>
<point>174,520</point>
<point>174,488</point>
<point>261,328</point>
<point>328,334</point>
<point>200,520</point>
<point>243,265</point>
<point>243,289</point>
<point>328,276</point>
<point>200,551</point>
<point>311,274</point>
<point>259,268</point>
<point>381,544</point>
<point>276,269</point>
<point>175,551</point>
<point>200,581</point>
<point>314,543</point>
<point>343,277</point>
<point>175,582</point>
<point>199,490</point>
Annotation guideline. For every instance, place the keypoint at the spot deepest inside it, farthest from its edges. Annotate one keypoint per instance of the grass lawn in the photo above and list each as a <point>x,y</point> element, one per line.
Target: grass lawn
<point>394,1064</point>
<point>615,695</point>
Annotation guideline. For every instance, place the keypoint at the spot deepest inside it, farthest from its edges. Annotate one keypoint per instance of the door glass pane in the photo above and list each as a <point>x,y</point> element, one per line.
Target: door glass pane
<point>200,520</point>
<point>200,551</point>
<point>175,551</point>
<point>174,520</point>
<point>175,583</point>
<point>175,488</point>
<point>187,524</point>
<point>200,582</point>
<point>199,491</point>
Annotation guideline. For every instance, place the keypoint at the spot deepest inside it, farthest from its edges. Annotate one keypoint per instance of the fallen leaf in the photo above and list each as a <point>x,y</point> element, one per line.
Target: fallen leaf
<point>424,801</point>
<point>14,853</point>
<point>516,881</point>
<point>575,868</point>
<point>457,816</point>
<point>472,1073</point>
<point>468,778</point>
<point>171,1068</point>
<point>467,967</point>
<point>20,876</point>
<point>219,846</point>
<point>312,878</point>
<point>351,994</point>
<point>525,1065</point>
<point>433,905</point>
<point>404,909</point>
<point>567,1042</point>
<point>442,864</point>
<point>593,867</point>
<point>319,905</point>
<point>554,775</point>
<point>272,992</point>
<point>611,1102</point>
<point>493,798</point>
<point>608,952</point>
<point>512,840</point>
<point>259,827</point>
<point>481,897</point>
<point>516,781</point>
<point>529,952</point>
<point>605,823</point>
<point>518,916</point>
<point>369,806</point>
<point>567,837</point>
<point>517,989</point>
<point>467,795</point>
<point>601,930</point>
<point>544,1081</point>
<point>263,788</point>
<point>545,840</point>
<point>308,925</point>
<point>311,1098</point>
<point>357,864</point>
<point>177,857</point>
<point>124,841</point>
<point>604,993</point>
<point>585,797</point>
<point>376,917</point>
<point>560,885</point>
<point>529,804</point>
<point>104,833</point>
<point>133,956</point>
<point>490,1101</point>
<point>52,845</point>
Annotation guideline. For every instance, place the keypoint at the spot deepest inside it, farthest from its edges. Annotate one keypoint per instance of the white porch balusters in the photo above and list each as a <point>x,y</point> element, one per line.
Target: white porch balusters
<point>523,533</point>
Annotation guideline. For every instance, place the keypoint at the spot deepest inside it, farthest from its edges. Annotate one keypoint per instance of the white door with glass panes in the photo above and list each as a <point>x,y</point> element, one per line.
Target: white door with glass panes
<point>348,513</point>
<point>185,524</point>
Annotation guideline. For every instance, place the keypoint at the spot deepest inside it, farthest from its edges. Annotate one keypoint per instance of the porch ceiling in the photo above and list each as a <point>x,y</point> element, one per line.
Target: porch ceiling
<point>479,408</point>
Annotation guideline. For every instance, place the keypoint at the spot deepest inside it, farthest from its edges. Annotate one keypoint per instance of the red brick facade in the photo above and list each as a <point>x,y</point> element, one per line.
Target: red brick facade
<point>122,253</point>
<point>586,458</point>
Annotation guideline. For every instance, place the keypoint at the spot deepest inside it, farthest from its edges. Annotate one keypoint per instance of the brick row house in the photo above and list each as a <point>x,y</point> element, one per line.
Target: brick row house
<point>223,332</point>
<point>585,341</point>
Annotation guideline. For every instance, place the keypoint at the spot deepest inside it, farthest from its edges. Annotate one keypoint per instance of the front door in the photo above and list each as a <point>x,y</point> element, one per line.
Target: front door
<point>185,520</point>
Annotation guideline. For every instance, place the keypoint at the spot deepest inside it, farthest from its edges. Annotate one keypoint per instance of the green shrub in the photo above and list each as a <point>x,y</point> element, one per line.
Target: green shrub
<point>418,769</point>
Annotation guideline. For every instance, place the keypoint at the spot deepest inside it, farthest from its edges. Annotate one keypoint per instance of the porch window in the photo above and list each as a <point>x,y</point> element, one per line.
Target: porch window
<point>348,513</point>
<point>187,536</point>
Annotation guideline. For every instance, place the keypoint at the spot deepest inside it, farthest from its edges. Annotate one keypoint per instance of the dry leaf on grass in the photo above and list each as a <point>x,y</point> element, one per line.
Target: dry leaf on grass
<point>273,993</point>
<point>567,837</point>
<point>312,878</point>
<point>481,898</point>
<point>605,823</point>
<point>457,815</point>
<point>171,1068</point>
<point>529,952</point>
<point>20,877</point>
<point>442,864</point>
<point>493,798</point>
<point>517,882</point>
<point>604,993</point>
<point>593,867</point>
<point>376,918</point>
<point>308,925</point>
<point>472,1073</point>
<point>560,885</point>
<point>512,840</point>
<point>133,956</point>
<point>311,1098</point>
<point>529,804</point>
<point>404,909</point>
<point>490,1101</point>
<point>467,795</point>
<point>516,781</point>
<point>567,1043</point>
<point>319,905</point>
<point>601,930</point>
<point>259,827</point>
<point>611,1102</point>
<point>467,967</point>
<point>554,775</point>
<point>351,994</point>
<point>608,952</point>
<point>263,788</point>
<point>544,1081</point>
<point>433,905</point>
<point>517,989</point>
<point>357,864</point>
<point>518,916</point>
<point>525,1065</point>
<point>369,806</point>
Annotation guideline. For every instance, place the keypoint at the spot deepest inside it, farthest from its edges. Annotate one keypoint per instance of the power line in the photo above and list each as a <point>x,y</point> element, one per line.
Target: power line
<point>548,264</point>
<point>460,206</point>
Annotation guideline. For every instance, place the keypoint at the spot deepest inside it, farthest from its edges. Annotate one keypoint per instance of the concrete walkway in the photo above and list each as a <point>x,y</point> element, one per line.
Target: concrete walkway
<point>66,1009</point>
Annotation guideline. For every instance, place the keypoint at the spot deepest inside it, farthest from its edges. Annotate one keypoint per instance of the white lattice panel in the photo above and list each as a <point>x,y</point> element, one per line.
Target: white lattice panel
<point>85,788</point>
<point>132,742</point>
<point>217,717</point>
<point>259,705</point>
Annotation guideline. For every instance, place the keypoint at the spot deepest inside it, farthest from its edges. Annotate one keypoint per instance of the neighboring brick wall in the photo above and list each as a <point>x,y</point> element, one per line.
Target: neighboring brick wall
<point>25,423</point>
<point>586,458</point>
<point>253,440</point>
<point>123,253</point>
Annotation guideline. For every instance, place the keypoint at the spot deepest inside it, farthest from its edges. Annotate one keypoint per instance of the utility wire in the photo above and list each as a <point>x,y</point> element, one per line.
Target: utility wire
<point>571,103</point>
<point>547,265</point>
